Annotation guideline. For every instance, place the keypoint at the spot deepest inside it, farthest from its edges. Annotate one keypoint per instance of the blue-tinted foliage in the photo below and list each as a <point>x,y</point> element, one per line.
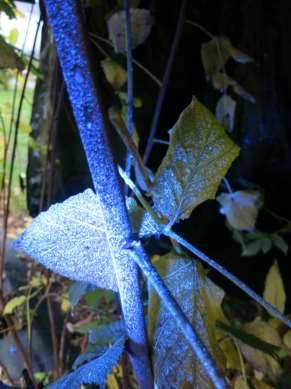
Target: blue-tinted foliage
<point>70,239</point>
<point>99,340</point>
<point>93,372</point>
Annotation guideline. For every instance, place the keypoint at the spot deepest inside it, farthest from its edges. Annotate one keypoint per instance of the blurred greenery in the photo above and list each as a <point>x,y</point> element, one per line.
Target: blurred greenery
<point>18,200</point>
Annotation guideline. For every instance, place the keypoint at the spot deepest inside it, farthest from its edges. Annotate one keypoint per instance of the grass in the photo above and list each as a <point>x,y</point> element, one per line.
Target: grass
<point>18,197</point>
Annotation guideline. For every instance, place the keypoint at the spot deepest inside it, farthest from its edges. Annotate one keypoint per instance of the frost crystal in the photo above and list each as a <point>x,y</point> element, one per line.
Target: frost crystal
<point>70,239</point>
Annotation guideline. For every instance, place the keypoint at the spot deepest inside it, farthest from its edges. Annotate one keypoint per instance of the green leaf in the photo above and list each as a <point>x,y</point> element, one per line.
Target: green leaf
<point>200,299</point>
<point>77,290</point>
<point>93,297</point>
<point>14,303</point>
<point>199,155</point>
<point>279,242</point>
<point>13,36</point>
<point>8,7</point>
<point>274,291</point>
<point>8,57</point>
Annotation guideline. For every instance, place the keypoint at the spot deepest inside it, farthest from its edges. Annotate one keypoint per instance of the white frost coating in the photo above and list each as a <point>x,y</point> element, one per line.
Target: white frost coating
<point>70,239</point>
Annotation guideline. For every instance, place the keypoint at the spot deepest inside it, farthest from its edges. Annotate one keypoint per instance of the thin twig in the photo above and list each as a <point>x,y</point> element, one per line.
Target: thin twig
<point>203,29</point>
<point>241,285</point>
<point>121,129</point>
<point>62,346</point>
<point>130,93</point>
<point>53,338</point>
<point>137,63</point>
<point>166,79</point>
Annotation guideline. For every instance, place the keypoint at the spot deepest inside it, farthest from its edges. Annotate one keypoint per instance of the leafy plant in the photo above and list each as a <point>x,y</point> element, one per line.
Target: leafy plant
<point>95,237</point>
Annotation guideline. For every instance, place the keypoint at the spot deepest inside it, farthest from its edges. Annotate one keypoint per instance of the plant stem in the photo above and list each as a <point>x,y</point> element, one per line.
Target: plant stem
<point>134,61</point>
<point>260,300</point>
<point>201,352</point>
<point>166,78</point>
<point>129,68</point>
<point>65,20</point>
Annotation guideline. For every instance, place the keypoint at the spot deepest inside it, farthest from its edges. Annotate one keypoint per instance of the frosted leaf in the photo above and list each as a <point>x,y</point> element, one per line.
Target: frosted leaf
<point>241,208</point>
<point>174,362</point>
<point>70,239</point>
<point>141,25</point>
<point>142,221</point>
<point>199,155</point>
<point>93,372</point>
<point>225,111</point>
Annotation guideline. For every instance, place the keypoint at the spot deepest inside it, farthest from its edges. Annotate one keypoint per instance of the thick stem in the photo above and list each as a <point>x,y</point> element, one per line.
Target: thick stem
<point>65,20</point>
<point>201,352</point>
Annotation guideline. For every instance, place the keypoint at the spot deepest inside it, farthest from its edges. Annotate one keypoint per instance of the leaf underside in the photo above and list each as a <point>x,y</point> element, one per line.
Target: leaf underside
<point>70,239</point>
<point>199,155</point>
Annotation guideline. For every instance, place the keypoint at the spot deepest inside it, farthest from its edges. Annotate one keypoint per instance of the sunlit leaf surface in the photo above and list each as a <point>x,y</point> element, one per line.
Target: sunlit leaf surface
<point>199,155</point>
<point>70,239</point>
<point>93,372</point>
<point>173,359</point>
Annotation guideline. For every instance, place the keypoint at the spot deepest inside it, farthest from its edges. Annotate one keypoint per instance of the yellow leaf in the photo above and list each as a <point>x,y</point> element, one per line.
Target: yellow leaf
<point>112,382</point>
<point>274,291</point>
<point>14,303</point>
<point>65,303</point>
<point>114,73</point>
<point>256,358</point>
<point>261,385</point>
<point>240,383</point>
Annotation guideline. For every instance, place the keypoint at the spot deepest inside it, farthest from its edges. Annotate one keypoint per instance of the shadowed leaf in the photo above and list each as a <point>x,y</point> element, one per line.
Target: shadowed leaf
<point>199,155</point>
